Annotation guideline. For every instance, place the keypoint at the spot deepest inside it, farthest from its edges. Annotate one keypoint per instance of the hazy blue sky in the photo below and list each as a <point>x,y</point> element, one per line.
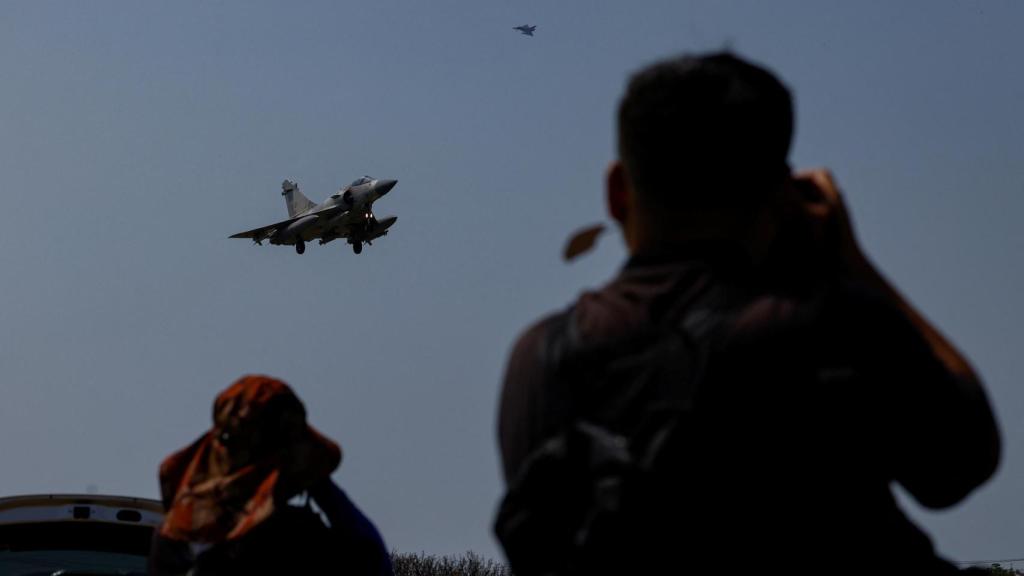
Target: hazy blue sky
<point>135,137</point>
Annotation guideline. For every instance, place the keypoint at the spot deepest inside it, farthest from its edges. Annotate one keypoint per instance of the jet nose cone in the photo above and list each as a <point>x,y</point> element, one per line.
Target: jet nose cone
<point>385,186</point>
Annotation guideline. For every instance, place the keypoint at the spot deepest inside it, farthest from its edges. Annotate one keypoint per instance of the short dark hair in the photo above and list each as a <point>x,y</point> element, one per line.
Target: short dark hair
<point>705,131</point>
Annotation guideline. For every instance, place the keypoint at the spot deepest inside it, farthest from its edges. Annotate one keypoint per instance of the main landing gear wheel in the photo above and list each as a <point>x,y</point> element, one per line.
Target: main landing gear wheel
<point>300,247</point>
<point>357,247</point>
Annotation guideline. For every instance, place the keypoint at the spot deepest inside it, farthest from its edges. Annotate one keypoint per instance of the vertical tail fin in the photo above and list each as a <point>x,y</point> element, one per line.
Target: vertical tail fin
<point>297,203</point>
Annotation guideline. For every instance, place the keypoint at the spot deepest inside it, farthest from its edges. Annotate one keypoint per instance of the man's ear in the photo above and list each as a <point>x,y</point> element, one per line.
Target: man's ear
<point>619,192</point>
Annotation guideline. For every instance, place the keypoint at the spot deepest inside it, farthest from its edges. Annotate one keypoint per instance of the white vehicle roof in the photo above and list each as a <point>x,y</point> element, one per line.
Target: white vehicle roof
<point>80,508</point>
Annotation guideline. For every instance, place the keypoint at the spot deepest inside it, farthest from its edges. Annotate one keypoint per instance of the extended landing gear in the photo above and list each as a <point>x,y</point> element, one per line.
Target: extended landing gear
<point>357,247</point>
<point>300,247</point>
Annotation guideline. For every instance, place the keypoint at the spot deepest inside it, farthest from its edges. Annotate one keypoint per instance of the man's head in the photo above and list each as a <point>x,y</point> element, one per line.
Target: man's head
<point>703,146</point>
<point>259,453</point>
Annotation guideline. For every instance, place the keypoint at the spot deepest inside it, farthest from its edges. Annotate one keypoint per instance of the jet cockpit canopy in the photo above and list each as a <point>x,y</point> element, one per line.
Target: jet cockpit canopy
<point>356,182</point>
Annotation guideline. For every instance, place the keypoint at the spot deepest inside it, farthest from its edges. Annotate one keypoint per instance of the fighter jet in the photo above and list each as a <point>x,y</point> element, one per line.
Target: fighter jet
<point>348,214</point>
<point>526,29</point>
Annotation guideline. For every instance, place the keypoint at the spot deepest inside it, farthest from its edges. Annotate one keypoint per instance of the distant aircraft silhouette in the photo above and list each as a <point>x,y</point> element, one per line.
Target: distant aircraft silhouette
<point>526,29</point>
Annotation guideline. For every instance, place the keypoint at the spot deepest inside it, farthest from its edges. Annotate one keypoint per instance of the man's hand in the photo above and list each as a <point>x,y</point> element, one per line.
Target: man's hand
<point>820,208</point>
<point>813,243</point>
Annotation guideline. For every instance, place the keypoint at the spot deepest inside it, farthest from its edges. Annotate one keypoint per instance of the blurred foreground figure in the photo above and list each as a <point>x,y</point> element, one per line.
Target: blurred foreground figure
<point>747,390</point>
<point>238,500</point>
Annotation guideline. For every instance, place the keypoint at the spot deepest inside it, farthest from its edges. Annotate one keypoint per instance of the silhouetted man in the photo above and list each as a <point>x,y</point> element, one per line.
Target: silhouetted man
<point>232,495</point>
<point>749,385</point>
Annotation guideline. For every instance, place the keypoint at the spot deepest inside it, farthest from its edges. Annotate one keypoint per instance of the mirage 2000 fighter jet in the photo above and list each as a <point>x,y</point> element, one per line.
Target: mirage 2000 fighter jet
<point>526,29</point>
<point>348,213</point>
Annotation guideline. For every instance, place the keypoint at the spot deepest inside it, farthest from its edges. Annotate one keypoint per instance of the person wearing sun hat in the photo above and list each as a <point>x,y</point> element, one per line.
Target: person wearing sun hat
<point>231,496</point>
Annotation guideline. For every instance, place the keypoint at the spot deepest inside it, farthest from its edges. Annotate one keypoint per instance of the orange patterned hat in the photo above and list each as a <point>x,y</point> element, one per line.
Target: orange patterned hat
<point>259,453</point>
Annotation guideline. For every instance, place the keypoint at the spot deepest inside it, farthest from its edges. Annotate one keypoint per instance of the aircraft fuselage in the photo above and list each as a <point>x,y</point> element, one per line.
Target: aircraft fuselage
<point>348,213</point>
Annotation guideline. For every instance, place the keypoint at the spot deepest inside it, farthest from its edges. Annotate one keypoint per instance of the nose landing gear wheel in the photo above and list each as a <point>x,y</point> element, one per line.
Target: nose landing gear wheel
<point>357,247</point>
<point>300,247</point>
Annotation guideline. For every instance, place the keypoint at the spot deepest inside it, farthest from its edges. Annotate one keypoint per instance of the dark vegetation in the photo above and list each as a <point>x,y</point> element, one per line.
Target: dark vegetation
<point>471,564</point>
<point>468,564</point>
<point>998,570</point>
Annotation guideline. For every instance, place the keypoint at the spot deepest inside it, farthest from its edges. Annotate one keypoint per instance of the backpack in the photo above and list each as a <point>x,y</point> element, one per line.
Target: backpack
<point>601,496</point>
